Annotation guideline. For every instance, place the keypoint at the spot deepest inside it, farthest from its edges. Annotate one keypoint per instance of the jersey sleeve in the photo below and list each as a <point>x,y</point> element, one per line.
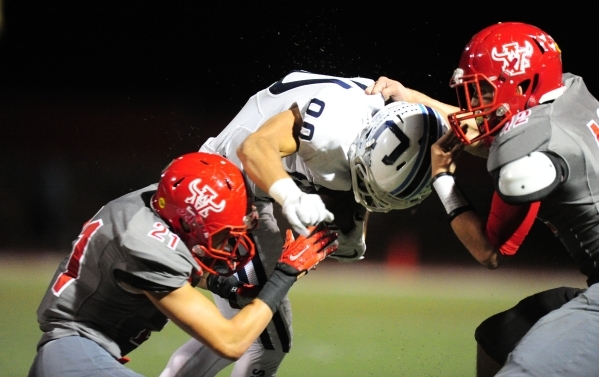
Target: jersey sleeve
<point>156,260</point>
<point>508,225</point>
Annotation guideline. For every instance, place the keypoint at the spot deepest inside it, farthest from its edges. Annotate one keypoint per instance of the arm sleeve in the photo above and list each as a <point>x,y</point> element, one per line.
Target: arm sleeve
<point>508,225</point>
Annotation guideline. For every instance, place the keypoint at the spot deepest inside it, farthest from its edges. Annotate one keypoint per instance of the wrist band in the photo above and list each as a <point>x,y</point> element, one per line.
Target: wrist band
<point>282,189</point>
<point>276,288</point>
<point>450,195</point>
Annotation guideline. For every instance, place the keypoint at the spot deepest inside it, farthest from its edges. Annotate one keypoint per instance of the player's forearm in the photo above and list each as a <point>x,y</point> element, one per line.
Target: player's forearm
<point>242,330</point>
<point>469,229</point>
<point>443,108</point>
<point>200,318</point>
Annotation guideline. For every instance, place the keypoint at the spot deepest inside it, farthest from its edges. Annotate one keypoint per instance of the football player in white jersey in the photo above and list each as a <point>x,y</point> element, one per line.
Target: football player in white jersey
<point>137,261</point>
<point>302,139</point>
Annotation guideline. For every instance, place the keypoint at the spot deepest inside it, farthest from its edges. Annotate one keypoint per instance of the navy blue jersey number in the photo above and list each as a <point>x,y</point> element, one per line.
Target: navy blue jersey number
<point>315,109</point>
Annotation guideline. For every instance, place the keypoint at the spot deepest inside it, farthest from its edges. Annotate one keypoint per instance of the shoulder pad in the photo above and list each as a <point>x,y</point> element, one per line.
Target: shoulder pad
<point>527,131</point>
<point>528,178</point>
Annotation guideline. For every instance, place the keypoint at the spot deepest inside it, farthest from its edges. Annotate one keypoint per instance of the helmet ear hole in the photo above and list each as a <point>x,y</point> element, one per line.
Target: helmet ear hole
<point>178,182</point>
<point>184,225</point>
<point>525,84</point>
<point>535,82</point>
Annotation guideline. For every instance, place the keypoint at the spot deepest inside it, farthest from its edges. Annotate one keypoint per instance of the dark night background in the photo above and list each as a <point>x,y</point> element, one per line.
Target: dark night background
<point>96,98</point>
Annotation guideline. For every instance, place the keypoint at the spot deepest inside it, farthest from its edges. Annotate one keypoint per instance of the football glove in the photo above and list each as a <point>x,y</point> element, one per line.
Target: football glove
<point>299,256</point>
<point>304,253</point>
<point>300,209</point>
<point>238,293</point>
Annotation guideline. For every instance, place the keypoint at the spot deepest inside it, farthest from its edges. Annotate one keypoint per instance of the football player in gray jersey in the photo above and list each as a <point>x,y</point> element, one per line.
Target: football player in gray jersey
<point>137,261</point>
<point>304,141</point>
<point>539,129</point>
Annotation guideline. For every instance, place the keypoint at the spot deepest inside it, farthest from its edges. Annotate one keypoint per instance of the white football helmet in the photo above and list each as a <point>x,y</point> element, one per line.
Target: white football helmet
<point>390,161</point>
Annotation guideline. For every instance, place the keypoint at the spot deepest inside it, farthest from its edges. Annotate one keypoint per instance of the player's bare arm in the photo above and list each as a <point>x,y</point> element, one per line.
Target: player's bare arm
<point>230,338</point>
<point>470,230</point>
<point>467,225</point>
<point>261,155</point>
<point>261,152</point>
<point>395,91</point>
<point>200,318</point>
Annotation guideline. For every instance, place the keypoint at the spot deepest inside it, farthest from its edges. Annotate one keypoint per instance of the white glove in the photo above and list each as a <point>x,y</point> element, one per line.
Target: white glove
<point>300,209</point>
<point>352,245</point>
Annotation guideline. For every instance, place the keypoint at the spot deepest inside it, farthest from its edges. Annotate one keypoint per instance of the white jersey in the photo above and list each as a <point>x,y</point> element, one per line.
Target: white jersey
<point>334,111</point>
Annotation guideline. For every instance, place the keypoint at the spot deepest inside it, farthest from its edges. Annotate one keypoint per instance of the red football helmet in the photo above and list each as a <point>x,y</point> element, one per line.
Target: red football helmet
<point>505,68</point>
<point>205,200</point>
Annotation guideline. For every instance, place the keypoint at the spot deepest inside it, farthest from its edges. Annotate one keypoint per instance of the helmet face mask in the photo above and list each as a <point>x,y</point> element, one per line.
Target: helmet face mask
<point>225,252</point>
<point>478,99</point>
<point>205,200</point>
<point>390,159</point>
<point>518,63</point>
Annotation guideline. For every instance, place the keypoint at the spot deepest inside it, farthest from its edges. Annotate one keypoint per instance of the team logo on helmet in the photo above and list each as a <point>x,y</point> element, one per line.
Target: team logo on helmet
<point>547,43</point>
<point>515,58</point>
<point>202,199</point>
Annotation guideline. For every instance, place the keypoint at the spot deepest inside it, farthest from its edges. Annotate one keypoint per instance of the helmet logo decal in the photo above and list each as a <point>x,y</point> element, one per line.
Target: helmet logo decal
<point>202,199</point>
<point>515,58</point>
<point>547,43</point>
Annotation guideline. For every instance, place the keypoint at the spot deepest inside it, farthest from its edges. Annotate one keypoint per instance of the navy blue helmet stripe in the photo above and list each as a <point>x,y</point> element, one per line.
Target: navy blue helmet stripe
<point>422,167</point>
<point>407,186</point>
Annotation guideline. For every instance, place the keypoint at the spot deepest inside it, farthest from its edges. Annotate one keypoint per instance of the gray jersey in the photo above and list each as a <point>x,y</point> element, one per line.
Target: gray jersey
<point>96,291</point>
<point>334,111</point>
<point>568,128</point>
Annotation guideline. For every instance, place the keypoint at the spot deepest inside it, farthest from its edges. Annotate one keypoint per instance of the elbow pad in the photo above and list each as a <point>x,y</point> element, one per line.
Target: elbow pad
<point>529,178</point>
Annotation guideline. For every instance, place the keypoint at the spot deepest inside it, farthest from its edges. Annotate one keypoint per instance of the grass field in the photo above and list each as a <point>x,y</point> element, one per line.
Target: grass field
<point>349,320</point>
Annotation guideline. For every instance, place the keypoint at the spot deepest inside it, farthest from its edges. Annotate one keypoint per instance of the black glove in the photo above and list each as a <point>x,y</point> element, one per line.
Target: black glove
<point>238,293</point>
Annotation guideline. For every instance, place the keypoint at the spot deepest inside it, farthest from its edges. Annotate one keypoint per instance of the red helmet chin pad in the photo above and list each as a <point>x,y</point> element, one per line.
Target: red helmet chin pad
<point>521,63</point>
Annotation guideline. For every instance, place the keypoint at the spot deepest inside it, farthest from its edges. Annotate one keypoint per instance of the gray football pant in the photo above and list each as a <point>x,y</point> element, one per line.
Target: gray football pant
<point>562,343</point>
<point>75,356</point>
<point>267,352</point>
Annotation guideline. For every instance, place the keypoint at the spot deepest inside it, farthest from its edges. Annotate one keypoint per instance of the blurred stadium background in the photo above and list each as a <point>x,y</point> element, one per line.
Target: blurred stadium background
<point>95,99</point>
